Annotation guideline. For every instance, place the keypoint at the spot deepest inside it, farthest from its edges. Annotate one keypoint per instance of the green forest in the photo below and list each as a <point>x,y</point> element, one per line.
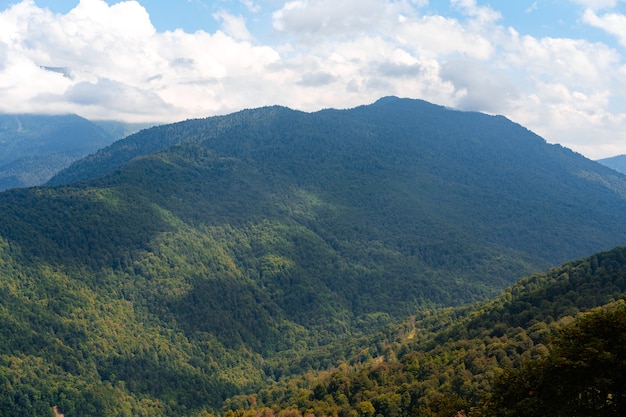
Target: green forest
<point>552,344</point>
<point>397,259</point>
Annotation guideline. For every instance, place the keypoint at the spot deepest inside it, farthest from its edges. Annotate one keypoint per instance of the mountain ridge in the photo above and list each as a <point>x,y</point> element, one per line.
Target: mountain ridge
<point>35,147</point>
<point>191,262</point>
<point>618,163</point>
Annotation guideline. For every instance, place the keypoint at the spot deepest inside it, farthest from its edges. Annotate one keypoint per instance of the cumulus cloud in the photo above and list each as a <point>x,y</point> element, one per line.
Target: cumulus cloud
<point>234,26</point>
<point>115,96</point>
<point>398,69</point>
<point>104,61</point>
<point>311,19</point>
<point>437,36</point>
<point>574,119</point>
<point>577,63</point>
<point>484,14</point>
<point>478,88</point>
<point>613,23</point>
<point>251,6</point>
<point>115,52</point>
<point>316,79</point>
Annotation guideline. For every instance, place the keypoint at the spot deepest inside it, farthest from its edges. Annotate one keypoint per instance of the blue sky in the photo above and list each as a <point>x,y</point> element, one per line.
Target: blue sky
<point>557,67</point>
<point>553,18</point>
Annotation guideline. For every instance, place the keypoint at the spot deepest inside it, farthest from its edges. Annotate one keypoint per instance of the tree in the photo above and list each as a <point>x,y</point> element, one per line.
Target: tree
<point>583,374</point>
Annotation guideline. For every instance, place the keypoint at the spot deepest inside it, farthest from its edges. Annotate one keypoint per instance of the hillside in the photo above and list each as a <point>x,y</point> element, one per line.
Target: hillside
<point>432,172</point>
<point>446,361</point>
<point>195,261</point>
<point>35,147</point>
<point>618,163</point>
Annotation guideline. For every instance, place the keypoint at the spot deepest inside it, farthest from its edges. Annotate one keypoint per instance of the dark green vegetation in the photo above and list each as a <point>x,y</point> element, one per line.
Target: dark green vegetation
<point>617,163</point>
<point>528,352</point>
<point>193,262</point>
<point>35,147</point>
<point>583,374</point>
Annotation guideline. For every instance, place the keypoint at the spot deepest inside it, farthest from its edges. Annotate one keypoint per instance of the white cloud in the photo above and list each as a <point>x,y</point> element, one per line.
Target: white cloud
<point>114,51</point>
<point>484,14</point>
<point>533,7</point>
<point>612,23</point>
<point>574,119</point>
<point>115,96</point>
<point>312,19</point>
<point>104,61</point>
<point>234,26</point>
<point>251,6</point>
<point>479,88</point>
<point>597,4</point>
<point>568,89</point>
<point>436,36</point>
<point>578,63</point>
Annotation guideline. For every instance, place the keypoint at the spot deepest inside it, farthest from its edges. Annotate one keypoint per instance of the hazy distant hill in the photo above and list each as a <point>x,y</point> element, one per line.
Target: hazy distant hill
<point>35,147</point>
<point>119,129</point>
<point>194,261</point>
<point>617,163</point>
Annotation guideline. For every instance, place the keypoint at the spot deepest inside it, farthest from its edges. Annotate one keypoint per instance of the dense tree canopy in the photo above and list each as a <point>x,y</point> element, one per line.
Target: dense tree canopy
<point>267,261</point>
<point>521,354</point>
<point>583,374</point>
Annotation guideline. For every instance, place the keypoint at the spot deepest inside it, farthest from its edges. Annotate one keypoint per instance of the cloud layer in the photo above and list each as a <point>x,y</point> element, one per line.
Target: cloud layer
<point>109,62</point>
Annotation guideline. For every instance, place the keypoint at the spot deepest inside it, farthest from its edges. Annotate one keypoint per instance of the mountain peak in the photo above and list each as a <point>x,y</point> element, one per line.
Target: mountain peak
<point>197,260</point>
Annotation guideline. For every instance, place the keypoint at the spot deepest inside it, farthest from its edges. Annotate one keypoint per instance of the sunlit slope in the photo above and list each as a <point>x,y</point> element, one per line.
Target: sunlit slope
<point>190,258</point>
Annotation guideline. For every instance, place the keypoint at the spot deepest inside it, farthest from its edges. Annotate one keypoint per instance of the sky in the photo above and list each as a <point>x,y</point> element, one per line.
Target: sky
<point>557,67</point>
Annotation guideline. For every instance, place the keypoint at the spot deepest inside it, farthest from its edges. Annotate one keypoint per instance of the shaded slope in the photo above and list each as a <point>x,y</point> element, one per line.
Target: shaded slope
<point>445,361</point>
<point>195,259</point>
<point>386,207</point>
<point>410,163</point>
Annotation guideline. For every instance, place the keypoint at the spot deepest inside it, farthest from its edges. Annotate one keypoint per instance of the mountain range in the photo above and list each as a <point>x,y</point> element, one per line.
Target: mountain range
<point>188,263</point>
<point>34,147</point>
<point>617,163</point>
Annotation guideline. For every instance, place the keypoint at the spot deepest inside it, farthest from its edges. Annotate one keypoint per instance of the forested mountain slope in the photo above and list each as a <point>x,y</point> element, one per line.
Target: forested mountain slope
<point>399,168</point>
<point>194,261</point>
<point>483,359</point>
<point>35,147</point>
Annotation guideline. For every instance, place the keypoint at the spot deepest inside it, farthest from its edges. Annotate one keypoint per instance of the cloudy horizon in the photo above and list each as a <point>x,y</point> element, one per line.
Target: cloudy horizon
<point>558,67</point>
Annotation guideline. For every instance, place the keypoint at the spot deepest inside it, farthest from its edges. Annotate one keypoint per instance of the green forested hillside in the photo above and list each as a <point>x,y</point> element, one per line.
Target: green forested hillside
<point>193,262</point>
<point>439,175</point>
<point>529,352</point>
<point>33,148</point>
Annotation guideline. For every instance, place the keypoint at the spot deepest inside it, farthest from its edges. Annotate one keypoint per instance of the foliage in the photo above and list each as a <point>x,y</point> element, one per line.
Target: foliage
<point>446,361</point>
<point>210,262</point>
<point>583,374</point>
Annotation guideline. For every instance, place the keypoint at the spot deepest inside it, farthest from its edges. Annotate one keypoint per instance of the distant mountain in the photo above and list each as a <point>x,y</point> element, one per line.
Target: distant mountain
<point>35,147</point>
<point>120,129</point>
<point>617,163</point>
<point>194,261</point>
